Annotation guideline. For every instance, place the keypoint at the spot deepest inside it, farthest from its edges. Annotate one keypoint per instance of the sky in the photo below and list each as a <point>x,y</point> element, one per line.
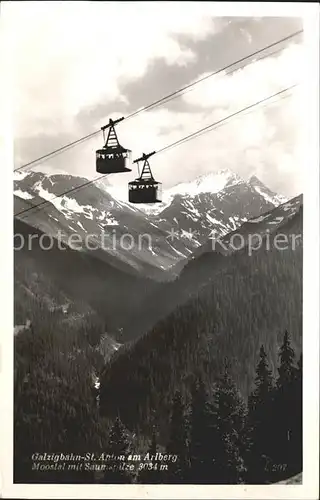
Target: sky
<point>76,64</point>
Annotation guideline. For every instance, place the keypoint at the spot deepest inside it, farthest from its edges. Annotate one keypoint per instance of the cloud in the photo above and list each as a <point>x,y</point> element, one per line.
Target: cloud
<point>78,63</point>
<point>264,140</point>
<point>68,55</point>
<point>248,84</point>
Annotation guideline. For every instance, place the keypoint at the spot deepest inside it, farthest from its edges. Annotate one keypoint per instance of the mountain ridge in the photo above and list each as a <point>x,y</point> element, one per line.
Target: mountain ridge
<point>248,301</point>
<point>95,212</point>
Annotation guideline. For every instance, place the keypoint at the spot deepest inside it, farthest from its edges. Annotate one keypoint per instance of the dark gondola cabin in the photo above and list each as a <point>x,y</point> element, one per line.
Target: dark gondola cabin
<point>112,158</point>
<point>145,189</point>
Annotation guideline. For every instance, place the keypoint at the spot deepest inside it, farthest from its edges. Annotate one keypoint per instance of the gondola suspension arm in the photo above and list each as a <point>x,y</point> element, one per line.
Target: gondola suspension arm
<point>144,157</point>
<point>111,123</point>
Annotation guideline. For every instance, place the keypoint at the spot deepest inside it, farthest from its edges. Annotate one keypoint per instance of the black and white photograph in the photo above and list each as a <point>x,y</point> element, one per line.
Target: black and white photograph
<point>163,287</point>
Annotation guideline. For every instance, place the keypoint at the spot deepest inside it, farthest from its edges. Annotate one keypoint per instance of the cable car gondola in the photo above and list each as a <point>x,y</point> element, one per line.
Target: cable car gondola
<point>112,158</point>
<point>145,189</point>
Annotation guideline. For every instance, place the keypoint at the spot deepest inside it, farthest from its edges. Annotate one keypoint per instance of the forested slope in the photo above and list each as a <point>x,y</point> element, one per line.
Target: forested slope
<point>251,301</point>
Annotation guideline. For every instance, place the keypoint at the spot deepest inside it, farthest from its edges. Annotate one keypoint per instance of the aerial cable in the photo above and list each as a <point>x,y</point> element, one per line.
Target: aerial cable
<point>59,150</point>
<point>206,129</point>
<point>264,56</point>
<point>214,73</point>
<point>165,99</point>
<point>235,117</point>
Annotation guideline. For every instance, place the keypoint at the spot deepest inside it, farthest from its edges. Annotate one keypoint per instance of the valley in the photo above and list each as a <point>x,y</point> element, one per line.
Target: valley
<point>135,332</point>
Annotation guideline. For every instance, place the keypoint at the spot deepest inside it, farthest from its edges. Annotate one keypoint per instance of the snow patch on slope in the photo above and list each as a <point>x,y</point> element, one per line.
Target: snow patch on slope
<point>265,192</point>
<point>214,221</point>
<point>18,176</point>
<point>259,219</point>
<point>277,220</point>
<point>23,194</point>
<point>20,328</point>
<point>176,251</point>
<point>208,183</point>
<point>275,200</point>
<point>287,206</point>
<point>69,207</point>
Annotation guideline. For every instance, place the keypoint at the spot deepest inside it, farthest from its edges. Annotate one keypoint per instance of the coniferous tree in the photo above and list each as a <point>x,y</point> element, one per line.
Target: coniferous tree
<point>150,473</point>
<point>54,410</point>
<point>229,464</point>
<point>177,444</point>
<point>201,448</point>
<point>118,448</point>
<point>296,438</point>
<point>260,422</point>
<point>286,368</point>
<point>284,407</point>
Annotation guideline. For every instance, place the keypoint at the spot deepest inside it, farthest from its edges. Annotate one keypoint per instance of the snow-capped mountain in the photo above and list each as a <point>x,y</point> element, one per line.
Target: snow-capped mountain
<point>142,239</point>
<point>208,260</point>
<point>96,220</point>
<point>215,203</point>
<point>264,224</point>
<point>212,183</point>
<point>275,199</point>
<point>207,183</point>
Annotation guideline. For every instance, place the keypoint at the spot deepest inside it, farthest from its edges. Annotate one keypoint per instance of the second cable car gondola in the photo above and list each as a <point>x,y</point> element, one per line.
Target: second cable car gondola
<point>112,158</point>
<point>145,189</point>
